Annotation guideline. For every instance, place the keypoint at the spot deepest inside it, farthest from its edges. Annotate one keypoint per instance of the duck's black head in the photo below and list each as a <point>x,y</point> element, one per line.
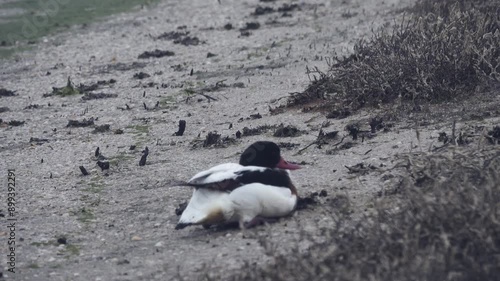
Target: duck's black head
<point>265,154</point>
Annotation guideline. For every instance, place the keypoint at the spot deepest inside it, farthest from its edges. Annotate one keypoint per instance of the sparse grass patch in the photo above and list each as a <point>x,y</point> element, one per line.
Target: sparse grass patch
<point>120,158</point>
<point>94,187</point>
<point>70,250</point>
<point>68,90</point>
<point>443,51</point>
<point>168,101</point>
<point>84,215</point>
<point>139,129</point>
<point>33,266</point>
<point>440,220</point>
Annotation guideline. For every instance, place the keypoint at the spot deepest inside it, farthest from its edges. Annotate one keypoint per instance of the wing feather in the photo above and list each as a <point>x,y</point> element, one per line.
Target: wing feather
<point>223,177</point>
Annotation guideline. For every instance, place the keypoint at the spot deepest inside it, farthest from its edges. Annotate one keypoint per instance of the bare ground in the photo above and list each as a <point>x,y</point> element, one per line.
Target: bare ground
<point>119,224</point>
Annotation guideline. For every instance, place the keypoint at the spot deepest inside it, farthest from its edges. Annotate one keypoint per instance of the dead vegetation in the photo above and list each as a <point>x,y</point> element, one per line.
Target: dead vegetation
<point>436,216</point>
<point>442,51</point>
<point>439,220</point>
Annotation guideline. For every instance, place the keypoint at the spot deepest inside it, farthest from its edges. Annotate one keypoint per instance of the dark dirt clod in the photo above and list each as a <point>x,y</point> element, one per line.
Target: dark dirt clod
<point>4,109</point>
<point>360,168</point>
<point>33,106</point>
<point>338,114</point>
<point>6,93</point>
<point>15,123</point>
<point>62,240</point>
<point>443,137</point>
<point>209,55</point>
<point>376,124</point>
<point>180,37</point>
<point>38,141</point>
<point>97,152</point>
<point>256,131</point>
<point>95,86</point>
<point>255,116</point>
<point>250,26</point>
<point>353,130</point>
<point>287,131</point>
<point>182,127</point>
<point>97,96</point>
<point>101,128</point>
<point>84,123</point>
<point>120,66</point>
<point>156,54</point>
<point>104,165</point>
<point>238,85</point>
<point>188,41</point>
<point>228,26</point>
<point>141,75</point>
<point>245,33</point>
<point>132,147</point>
<point>288,7</point>
<point>262,11</point>
<point>238,134</point>
<point>211,139</point>
<point>84,171</point>
<point>144,156</point>
<point>173,35</point>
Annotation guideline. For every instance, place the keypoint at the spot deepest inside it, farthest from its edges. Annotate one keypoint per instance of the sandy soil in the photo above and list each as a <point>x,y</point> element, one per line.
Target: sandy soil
<point>119,224</point>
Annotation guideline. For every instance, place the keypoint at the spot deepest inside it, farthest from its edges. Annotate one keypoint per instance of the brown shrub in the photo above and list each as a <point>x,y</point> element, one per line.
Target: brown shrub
<point>443,51</point>
<point>442,223</point>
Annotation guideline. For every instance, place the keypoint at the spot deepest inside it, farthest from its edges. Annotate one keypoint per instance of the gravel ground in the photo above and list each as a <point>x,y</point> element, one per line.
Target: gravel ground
<point>118,224</point>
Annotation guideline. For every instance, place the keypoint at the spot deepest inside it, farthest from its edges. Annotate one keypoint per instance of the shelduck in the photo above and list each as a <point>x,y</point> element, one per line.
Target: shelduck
<point>257,188</point>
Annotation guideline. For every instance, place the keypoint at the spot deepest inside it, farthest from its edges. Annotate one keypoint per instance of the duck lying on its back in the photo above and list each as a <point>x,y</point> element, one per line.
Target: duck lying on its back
<point>258,187</point>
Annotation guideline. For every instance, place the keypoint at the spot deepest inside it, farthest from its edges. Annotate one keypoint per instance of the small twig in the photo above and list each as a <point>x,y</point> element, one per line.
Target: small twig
<point>207,96</point>
<point>453,140</point>
<point>145,154</point>
<point>84,171</point>
<point>309,145</point>
<point>340,140</point>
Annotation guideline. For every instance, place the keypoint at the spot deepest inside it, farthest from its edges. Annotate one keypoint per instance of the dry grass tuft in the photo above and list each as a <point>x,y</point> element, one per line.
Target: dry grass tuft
<point>443,51</point>
<point>442,223</point>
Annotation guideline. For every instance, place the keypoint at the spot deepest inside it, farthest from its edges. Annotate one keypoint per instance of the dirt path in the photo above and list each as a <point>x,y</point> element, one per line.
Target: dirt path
<point>119,224</point>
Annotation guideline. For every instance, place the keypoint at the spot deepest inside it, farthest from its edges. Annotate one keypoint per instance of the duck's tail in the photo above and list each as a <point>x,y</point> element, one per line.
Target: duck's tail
<point>182,225</point>
<point>203,208</point>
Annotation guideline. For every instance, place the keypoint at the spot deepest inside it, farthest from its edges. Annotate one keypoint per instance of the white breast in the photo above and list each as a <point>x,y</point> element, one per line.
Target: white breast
<point>257,199</point>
